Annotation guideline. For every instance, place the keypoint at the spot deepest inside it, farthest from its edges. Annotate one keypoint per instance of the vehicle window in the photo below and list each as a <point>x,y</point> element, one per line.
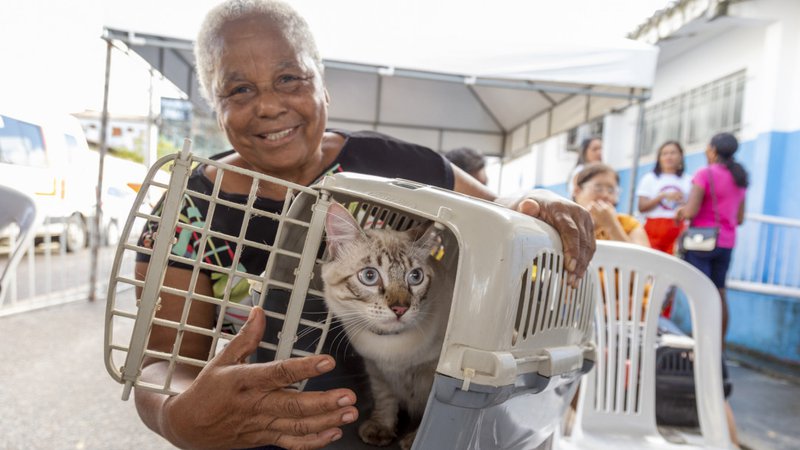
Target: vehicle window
<point>21,143</point>
<point>72,147</point>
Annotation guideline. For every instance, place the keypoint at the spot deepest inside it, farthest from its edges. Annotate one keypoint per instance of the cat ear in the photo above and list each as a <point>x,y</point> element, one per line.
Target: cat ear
<point>340,227</point>
<point>428,239</point>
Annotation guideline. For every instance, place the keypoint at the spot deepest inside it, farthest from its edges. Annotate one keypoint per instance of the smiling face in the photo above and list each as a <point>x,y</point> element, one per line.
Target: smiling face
<point>271,101</point>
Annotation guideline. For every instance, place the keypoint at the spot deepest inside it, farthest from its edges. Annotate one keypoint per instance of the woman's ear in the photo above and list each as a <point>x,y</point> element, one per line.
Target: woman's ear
<point>340,228</point>
<point>575,192</point>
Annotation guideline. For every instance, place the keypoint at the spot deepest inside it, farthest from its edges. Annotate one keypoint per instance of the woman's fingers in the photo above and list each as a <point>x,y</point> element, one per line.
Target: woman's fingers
<point>573,224</point>
<point>257,438</point>
<point>290,403</point>
<point>308,442</point>
<point>302,425</point>
<point>245,342</point>
<point>280,374</point>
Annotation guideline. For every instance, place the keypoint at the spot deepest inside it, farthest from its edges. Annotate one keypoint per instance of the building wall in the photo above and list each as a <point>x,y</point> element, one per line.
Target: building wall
<point>762,37</point>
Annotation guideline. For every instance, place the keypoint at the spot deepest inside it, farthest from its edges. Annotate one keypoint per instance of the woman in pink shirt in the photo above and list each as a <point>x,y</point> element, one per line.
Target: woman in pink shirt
<point>719,186</point>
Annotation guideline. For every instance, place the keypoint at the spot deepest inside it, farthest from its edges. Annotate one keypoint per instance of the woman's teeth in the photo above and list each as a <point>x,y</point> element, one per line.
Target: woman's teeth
<point>278,135</point>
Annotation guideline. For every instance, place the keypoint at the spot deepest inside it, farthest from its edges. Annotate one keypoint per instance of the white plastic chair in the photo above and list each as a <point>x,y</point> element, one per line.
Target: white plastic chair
<point>616,407</point>
<point>19,210</point>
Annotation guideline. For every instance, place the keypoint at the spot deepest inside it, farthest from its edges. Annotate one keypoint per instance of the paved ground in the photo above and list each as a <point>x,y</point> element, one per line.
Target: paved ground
<point>767,410</point>
<point>56,394</point>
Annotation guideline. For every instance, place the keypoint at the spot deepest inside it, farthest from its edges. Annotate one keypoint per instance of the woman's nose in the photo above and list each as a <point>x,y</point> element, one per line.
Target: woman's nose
<point>269,104</point>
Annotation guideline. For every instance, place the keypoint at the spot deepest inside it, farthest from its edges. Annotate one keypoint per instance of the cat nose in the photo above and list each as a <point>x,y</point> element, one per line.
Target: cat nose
<point>399,310</point>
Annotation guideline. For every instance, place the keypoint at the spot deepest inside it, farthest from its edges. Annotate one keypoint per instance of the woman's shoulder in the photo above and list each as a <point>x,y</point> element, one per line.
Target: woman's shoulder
<point>376,141</point>
<point>374,153</point>
<point>628,222</point>
<point>701,175</point>
<point>648,177</point>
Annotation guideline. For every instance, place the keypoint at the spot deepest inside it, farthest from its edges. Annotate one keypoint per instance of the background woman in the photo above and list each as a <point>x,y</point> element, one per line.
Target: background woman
<point>469,160</point>
<point>661,192</point>
<point>259,68</point>
<point>597,190</point>
<point>717,199</point>
<point>591,152</point>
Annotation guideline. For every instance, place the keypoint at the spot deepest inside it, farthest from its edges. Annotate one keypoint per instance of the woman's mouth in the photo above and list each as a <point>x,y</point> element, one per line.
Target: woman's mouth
<point>277,135</point>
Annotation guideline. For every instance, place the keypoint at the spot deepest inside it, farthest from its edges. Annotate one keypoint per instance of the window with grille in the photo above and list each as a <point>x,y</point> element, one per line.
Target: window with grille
<point>694,116</point>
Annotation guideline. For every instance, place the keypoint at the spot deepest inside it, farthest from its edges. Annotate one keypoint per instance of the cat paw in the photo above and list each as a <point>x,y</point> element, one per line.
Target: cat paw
<point>373,432</point>
<point>408,440</point>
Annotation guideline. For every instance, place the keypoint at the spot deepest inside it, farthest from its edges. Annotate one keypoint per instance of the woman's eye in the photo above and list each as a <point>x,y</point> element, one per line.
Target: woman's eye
<point>415,277</point>
<point>239,90</point>
<point>288,78</point>
<point>291,83</point>
<point>369,276</point>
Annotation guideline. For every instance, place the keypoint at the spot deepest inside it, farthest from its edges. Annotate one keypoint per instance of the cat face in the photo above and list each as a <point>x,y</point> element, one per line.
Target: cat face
<point>377,280</point>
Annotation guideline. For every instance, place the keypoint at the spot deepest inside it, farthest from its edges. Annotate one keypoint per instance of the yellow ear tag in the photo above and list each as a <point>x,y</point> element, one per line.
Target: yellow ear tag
<point>438,253</point>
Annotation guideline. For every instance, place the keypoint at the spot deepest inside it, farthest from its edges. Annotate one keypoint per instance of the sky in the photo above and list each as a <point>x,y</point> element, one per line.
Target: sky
<point>53,57</point>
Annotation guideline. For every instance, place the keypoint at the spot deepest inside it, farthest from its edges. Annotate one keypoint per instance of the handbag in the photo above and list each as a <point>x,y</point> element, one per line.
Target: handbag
<point>702,239</point>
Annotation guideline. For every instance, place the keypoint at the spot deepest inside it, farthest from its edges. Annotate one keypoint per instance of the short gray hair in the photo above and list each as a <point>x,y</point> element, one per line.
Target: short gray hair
<point>208,48</point>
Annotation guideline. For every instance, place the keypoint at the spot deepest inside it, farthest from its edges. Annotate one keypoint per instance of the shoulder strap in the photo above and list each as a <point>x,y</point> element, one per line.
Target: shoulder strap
<point>713,196</point>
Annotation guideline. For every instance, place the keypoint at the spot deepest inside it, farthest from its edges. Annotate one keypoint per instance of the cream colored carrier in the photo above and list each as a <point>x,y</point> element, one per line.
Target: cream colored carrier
<point>517,337</point>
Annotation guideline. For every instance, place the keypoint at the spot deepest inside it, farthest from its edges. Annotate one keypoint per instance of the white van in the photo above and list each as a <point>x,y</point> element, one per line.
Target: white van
<point>46,155</point>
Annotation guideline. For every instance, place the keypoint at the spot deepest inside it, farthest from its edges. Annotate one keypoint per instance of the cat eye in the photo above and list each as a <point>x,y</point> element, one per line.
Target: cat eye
<point>369,276</point>
<point>415,277</point>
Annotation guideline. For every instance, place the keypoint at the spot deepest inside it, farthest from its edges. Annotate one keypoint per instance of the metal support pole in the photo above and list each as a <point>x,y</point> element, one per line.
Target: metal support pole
<point>151,150</point>
<point>637,152</point>
<point>98,212</point>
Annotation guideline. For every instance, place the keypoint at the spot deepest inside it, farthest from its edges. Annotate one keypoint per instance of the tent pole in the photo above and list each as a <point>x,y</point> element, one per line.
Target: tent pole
<point>637,153</point>
<point>98,213</point>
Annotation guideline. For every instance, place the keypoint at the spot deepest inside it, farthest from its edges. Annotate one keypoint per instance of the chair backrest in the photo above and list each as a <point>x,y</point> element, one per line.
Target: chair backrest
<point>16,208</point>
<point>619,394</point>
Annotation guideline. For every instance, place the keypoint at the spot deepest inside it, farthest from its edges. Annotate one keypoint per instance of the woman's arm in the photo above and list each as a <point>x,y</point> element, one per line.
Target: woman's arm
<point>573,223</point>
<point>605,219</point>
<point>692,206</point>
<point>230,404</point>
<point>740,214</point>
<point>648,204</point>
<point>639,236</point>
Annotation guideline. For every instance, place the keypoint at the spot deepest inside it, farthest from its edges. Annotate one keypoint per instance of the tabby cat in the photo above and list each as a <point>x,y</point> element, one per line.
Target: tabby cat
<point>379,284</point>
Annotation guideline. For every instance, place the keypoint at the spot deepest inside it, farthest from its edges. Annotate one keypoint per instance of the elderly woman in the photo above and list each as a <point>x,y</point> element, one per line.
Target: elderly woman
<point>260,69</point>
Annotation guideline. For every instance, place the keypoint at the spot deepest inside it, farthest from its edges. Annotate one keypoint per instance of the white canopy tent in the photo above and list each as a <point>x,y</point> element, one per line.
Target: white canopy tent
<point>497,95</point>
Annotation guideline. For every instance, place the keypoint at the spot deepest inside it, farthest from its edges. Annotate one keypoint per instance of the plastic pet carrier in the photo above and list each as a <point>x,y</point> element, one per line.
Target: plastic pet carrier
<point>517,335</point>
<point>676,403</point>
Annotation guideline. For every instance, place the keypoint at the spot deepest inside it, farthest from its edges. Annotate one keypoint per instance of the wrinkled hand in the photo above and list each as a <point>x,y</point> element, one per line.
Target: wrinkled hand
<point>236,405</point>
<point>573,224</point>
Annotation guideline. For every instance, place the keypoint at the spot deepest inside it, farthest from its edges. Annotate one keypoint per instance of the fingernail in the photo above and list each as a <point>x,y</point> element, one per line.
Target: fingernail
<point>324,365</point>
<point>345,401</point>
<point>572,264</point>
<point>349,417</point>
<point>336,436</point>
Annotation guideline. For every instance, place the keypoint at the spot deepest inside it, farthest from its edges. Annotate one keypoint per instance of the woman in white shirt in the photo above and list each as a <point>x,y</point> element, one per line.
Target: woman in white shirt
<point>661,192</point>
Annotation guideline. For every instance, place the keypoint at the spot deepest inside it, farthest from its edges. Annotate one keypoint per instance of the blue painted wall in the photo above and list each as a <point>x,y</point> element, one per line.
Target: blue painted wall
<point>762,323</point>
